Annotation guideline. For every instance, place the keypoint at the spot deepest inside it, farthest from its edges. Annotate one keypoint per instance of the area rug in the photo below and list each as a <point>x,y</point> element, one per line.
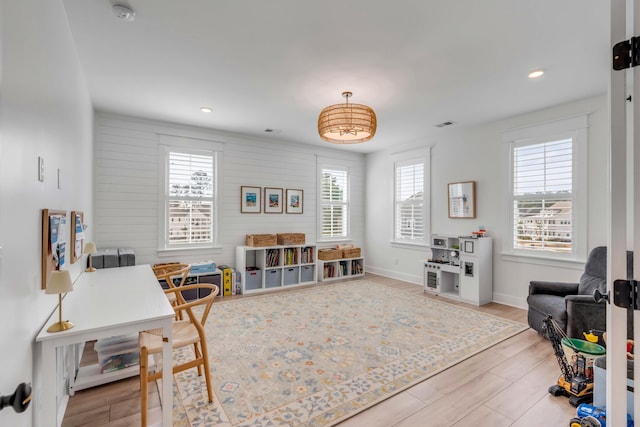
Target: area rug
<point>319,355</point>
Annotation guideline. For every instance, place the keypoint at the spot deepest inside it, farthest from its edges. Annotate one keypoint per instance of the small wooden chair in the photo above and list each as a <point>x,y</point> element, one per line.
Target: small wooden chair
<point>189,331</point>
<point>168,272</point>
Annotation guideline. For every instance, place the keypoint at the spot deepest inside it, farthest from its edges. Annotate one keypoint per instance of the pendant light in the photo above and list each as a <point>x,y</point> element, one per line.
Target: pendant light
<point>347,123</point>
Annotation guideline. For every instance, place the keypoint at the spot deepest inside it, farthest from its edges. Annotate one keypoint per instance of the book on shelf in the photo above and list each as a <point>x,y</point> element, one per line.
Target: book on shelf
<point>307,255</point>
<point>290,256</point>
<point>227,280</point>
<point>273,257</point>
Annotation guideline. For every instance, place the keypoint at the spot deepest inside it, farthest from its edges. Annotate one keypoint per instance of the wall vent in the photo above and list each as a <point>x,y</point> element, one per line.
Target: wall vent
<point>444,124</point>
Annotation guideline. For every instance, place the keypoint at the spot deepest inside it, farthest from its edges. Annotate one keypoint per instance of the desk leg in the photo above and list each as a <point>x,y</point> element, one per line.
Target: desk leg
<point>167,375</point>
<point>44,391</point>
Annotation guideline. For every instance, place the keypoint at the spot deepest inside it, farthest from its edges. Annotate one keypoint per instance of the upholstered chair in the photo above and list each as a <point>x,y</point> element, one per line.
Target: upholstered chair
<point>572,305</point>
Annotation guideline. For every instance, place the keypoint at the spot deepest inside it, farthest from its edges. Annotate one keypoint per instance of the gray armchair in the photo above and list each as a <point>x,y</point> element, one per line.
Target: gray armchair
<point>572,305</point>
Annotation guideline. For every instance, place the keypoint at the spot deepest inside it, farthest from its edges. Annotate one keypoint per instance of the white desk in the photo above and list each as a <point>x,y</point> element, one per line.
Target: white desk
<point>108,302</point>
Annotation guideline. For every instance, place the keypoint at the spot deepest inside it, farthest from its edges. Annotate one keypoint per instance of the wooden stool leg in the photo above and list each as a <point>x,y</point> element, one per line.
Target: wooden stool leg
<point>144,385</point>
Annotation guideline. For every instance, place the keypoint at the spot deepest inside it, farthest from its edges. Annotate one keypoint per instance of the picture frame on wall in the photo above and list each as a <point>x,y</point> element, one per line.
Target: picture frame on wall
<point>273,200</point>
<point>462,199</point>
<point>250,199</point>
<point>77,235</point>
<point>295,201</point>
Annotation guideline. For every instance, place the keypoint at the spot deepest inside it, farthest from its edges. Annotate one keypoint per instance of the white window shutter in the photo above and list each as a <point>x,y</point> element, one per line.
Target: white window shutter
<point>409,201</point>
<point>543,196</point>
<point>190,198</point>
<point>335,203</point>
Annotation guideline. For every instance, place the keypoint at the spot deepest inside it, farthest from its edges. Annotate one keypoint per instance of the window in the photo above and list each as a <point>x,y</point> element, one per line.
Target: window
<point>542,195</point>
<point>189,198</point>
<point>334,203</point>
<point>410,198</point>
<point>546,210</point>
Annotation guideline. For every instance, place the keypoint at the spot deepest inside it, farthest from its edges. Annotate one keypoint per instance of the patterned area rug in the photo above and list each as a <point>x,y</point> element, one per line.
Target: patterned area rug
<point>319,355</point>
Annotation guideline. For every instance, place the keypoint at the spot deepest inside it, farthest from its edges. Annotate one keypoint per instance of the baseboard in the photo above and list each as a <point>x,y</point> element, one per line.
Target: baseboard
<point>499,298</point>
<point>510,300</point>
<point>411,278</point>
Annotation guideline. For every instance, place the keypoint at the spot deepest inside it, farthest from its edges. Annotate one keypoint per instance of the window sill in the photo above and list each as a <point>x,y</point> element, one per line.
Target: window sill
<point>164,253</point>
<point>334,241</point>
<point>407,245</point>
<point>544,260</point>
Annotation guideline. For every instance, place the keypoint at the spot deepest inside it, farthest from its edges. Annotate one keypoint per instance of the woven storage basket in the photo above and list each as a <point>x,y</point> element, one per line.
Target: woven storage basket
<point>261,240</point>
<point>291,238</point>
<point>351,253</point>
<point>328,254</point>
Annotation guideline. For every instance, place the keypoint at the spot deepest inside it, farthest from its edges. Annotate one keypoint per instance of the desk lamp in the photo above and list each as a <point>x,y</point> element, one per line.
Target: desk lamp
<point>59,283</point>
<point>90,248</point>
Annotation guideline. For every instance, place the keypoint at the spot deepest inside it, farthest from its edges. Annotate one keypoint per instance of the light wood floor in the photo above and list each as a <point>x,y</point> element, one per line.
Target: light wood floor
<point>505,385</point>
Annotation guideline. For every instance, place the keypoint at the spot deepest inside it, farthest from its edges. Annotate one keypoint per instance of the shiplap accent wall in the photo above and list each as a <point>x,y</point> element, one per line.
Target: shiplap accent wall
<point>127,187</point>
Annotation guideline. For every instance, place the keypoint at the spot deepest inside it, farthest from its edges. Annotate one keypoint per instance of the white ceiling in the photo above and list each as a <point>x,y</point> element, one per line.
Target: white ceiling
<point>275,64</point>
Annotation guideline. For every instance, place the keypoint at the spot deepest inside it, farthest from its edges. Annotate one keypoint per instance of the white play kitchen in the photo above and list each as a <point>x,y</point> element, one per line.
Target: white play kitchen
<point>460,268</point>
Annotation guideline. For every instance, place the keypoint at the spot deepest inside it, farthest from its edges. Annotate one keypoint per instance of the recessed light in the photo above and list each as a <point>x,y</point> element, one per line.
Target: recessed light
<point>206,109</point>
<point>535,74</point>
<point>124,12</point>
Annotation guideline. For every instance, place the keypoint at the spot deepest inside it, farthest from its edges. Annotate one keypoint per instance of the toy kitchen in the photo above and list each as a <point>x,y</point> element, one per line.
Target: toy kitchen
<point>460,268</point>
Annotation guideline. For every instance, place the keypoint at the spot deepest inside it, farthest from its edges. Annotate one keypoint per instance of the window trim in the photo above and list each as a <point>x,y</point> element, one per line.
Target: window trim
<point>574,127</point>
<point>403,159</point>
<point>170,143</point>
<point>337,167</point>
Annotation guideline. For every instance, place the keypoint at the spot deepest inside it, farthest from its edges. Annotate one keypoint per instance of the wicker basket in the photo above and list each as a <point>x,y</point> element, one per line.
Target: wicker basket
<point>291,238</point>
<point>261,240</point>
<point>351,253</point>
<point>328,254</point>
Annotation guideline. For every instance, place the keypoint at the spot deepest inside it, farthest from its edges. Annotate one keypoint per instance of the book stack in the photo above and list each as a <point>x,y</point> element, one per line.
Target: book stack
<point>307,255</point>
<point>273,257</point>
<point>290,256</point>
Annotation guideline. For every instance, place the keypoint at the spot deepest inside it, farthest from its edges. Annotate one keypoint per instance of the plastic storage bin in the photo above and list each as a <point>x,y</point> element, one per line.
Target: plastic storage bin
<point>600,384</point>
<point>253,278</point>
<point>272,278</point>
<point>290,275</point>
<point>589,350</point>
<point>117,352</point>
<point>110,258</point>
<point>203,267</point>
<point>307,273</point>
<point>126,257</point>
<point>213,279</point>
<point>189,295</point>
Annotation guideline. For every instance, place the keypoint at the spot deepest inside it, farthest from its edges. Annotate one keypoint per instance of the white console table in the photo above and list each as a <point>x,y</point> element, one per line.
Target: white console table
<point>107,302</point>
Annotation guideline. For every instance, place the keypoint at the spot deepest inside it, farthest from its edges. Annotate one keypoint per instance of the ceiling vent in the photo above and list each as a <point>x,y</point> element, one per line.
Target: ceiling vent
<point>274,131</point>
<point>444,124</point>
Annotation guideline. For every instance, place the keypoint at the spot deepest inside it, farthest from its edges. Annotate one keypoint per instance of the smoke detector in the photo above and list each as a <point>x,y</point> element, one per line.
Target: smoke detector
<point>124,12</point>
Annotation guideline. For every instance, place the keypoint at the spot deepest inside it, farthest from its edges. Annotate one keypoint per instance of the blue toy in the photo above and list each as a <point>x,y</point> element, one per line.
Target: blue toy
<point>592,416</point>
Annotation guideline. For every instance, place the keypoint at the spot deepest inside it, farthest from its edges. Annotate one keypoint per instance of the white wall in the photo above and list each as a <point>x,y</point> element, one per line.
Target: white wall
<point>477,154</point>
<point>44,111</point>
<point>126,187</point>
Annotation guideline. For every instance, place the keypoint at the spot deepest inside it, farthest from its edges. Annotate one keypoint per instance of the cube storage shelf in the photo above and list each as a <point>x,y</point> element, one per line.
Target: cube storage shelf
<point>275,267</point>
<point>214,278</point>
<point>342,268</point>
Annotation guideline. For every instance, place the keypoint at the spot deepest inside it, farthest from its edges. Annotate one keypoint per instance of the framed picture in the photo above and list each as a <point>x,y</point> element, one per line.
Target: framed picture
<point>468,247</point>
<point>273,200</point>
<point>250,199</point>
<point>295,200</point>
<point>77,235</point>
<point>462,199</point>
